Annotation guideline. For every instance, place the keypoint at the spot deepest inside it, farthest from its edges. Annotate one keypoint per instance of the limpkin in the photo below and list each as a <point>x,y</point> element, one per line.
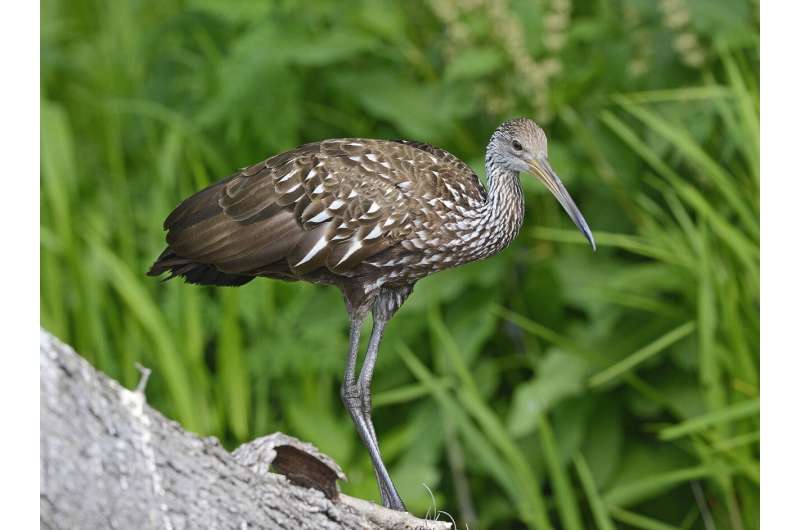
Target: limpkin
<point>368,216</point>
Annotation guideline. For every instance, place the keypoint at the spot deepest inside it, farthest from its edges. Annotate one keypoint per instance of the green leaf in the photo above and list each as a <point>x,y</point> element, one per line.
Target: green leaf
<point>327,48</point>
<point>647,471</point>
<point>473,63</point>
<point>233,10</point>
<point>602,448</point>
<point>425,111</point>
<point>559,375</point>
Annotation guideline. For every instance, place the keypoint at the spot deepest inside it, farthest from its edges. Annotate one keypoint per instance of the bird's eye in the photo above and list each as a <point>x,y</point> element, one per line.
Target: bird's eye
<point>516,145</point>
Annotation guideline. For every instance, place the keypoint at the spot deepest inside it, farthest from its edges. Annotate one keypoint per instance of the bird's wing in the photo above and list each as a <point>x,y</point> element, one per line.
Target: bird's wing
<point>332,203</point>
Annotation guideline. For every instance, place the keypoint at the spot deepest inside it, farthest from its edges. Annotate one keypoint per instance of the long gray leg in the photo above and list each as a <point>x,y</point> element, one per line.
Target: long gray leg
<point>367,369</point>
<point>384,307</point>
<point>353,397</point>
<point>389,495</point>
<point>357,394</point>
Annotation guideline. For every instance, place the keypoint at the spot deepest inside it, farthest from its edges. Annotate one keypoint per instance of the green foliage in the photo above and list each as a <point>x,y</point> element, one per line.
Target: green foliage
<point>547,387</point>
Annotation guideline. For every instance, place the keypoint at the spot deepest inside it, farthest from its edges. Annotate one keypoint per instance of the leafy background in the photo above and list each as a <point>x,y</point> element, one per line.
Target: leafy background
<point>548,387</point>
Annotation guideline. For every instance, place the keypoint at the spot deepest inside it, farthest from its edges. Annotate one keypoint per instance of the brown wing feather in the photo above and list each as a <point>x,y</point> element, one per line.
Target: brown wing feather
<point>459,170</point>
<point>329,204</point>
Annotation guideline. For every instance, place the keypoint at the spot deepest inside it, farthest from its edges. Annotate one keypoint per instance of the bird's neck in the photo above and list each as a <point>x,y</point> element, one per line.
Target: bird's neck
<point>504,208</point>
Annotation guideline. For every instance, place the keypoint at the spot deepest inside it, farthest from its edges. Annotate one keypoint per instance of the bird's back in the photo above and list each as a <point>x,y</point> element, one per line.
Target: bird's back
<point>332,207</point>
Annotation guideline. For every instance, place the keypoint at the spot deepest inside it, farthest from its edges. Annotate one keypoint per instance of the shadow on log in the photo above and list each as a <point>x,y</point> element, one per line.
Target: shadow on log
<point>108,460</point>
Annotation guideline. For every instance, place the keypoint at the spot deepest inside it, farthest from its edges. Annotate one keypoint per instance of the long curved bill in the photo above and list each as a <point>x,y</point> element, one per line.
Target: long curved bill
<point>541,169</point>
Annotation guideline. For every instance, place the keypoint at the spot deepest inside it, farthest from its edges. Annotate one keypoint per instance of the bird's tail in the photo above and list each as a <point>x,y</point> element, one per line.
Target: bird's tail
<point>194,272</point>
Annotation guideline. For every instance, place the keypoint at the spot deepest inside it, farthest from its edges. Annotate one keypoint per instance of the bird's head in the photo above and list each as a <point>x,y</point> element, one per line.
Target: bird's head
<point>521,145</point>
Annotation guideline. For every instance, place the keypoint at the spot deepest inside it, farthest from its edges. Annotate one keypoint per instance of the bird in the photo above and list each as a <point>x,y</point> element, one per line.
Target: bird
<point>369,216</point>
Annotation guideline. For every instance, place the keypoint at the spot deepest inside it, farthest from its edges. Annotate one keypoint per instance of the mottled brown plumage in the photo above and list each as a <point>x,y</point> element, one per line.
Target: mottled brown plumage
<point>337,205</point>
<point>369,216</point>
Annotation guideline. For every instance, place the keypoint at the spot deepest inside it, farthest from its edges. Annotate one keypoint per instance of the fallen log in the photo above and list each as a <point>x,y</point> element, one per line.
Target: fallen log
<point>108,460</point>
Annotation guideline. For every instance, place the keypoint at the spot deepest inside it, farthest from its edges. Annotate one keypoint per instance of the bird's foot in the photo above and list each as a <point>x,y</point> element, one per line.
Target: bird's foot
<point>389,496</point>
<point>395,503</point>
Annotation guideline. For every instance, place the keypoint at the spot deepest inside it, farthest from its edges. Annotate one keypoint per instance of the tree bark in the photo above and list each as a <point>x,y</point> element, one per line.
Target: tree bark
<point>108,460</point>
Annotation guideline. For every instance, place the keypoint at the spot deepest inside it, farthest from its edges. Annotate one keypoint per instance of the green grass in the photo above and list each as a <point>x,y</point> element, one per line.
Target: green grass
<point>585,390</point>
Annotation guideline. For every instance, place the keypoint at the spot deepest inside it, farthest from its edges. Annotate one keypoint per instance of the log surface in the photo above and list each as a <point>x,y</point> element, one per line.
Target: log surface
<point>108,460</point>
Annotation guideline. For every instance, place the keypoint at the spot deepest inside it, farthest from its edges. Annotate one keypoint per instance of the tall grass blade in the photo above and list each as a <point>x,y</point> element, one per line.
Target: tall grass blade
<point>633,492</point>
<point>747,106</point>
<point>566,501</point>
<point>471,399</point>
<point>642,355</point>
<point>746,250</point>
<point>639,521</point>
<point>140,304</point>
<point>684,143</point>
<point>737,411</point>
<point>234,380</point>
<point>601,517</point>
<point>472,436</point>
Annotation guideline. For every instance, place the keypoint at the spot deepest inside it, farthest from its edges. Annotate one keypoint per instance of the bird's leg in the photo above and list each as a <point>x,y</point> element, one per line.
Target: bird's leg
<point>352,396</point>
<point>367,369</point>
<point>386,304</point>
<point>389,495</point>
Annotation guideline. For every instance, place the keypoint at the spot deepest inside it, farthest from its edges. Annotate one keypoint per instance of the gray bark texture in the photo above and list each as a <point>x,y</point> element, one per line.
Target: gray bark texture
<point>108,460</point>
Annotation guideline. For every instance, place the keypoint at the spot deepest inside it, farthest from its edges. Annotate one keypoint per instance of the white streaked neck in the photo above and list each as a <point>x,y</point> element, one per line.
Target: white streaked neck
<point>505,205</point>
